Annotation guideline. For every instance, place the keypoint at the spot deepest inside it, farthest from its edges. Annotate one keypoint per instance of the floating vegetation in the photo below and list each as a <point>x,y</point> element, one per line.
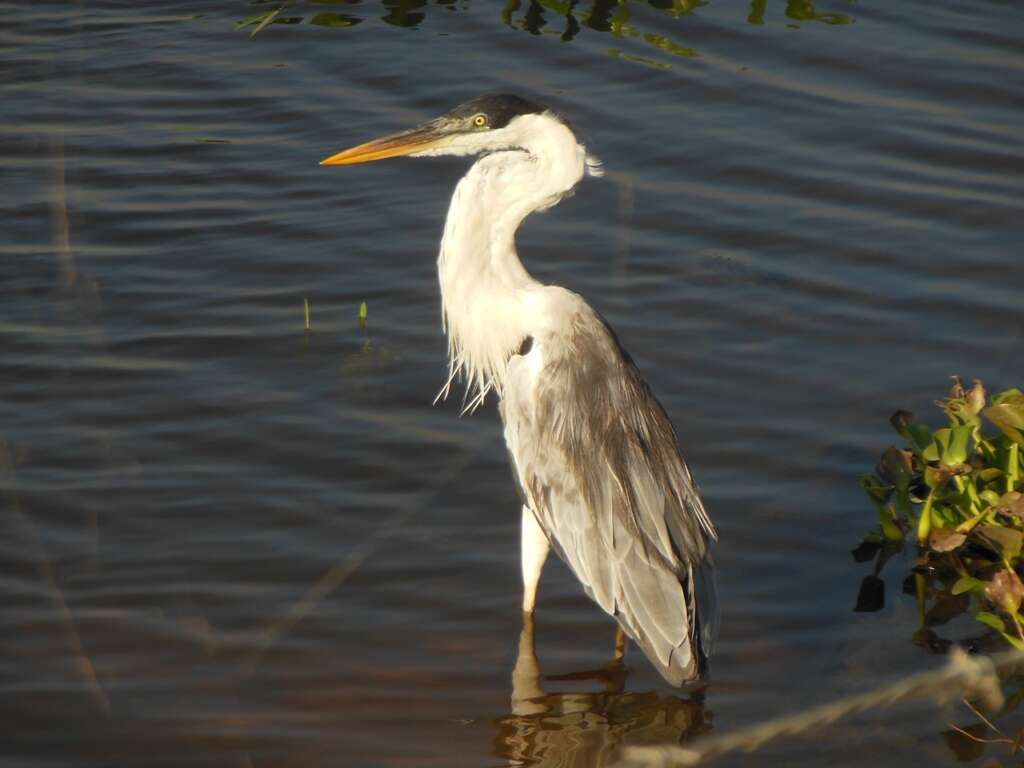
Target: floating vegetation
<point>615,53</point>
<point>334,20</point>
<point>555,18</point>
<point>260,21</point>
<point>362,316</point>
<point>957,492</point>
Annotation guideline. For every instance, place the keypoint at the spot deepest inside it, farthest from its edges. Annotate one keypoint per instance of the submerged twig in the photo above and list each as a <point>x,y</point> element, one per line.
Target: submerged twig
<point>980,716</point>
<point>978,739</point>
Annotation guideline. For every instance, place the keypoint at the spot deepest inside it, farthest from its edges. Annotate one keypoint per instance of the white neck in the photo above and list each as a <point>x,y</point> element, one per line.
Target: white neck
<point>484,286</point>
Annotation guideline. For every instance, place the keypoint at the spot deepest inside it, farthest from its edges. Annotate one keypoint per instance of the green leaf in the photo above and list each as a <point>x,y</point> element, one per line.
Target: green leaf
<point>896,468</point>
<point>935,477</point>
<point>950,445</point>
<point>991,620</point>
<point>901,421</point>
<point>890,527</point>
<point>1016,642</point>
<point>933,451</point>
<point>947,516</point>
<point>957,451</point>
<point>989,474</point>
<point>874,488</point>
<point>1007,541</point>
<point>1007,413</point>
<point>334,20</point>
<point>991,497</point>
<point>919,437</point>
<point>967,584</point>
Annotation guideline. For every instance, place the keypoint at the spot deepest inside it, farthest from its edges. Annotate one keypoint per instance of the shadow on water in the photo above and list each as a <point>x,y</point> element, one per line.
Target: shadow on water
<point>587,729</point>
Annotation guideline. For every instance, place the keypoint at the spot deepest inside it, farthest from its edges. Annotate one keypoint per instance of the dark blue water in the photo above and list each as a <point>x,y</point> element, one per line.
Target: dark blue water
<point>230,541</point>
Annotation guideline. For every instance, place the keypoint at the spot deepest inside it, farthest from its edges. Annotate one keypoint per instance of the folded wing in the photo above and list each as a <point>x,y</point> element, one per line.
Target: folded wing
<point>599,464</point>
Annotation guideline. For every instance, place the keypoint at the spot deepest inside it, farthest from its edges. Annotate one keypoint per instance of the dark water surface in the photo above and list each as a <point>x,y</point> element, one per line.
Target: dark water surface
<point>226,541</point>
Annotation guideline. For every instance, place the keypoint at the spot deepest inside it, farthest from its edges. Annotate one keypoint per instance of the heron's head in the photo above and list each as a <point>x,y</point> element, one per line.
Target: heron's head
<point>489,123</point>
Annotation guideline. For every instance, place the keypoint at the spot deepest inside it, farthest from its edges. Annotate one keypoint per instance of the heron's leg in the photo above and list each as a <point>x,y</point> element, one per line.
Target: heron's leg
<point>620,644</point>
<point>526,687</point>
<point>535,546</point>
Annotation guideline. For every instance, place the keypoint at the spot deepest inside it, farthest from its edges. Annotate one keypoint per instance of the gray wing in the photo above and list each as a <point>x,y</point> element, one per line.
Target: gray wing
<point>599,463</point>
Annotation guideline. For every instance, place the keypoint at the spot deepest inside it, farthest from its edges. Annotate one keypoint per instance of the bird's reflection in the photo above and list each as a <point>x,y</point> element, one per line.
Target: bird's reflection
<point>587,729</point>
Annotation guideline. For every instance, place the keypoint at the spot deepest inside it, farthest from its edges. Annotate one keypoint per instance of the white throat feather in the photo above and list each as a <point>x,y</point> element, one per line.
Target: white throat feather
<point>487,296</point>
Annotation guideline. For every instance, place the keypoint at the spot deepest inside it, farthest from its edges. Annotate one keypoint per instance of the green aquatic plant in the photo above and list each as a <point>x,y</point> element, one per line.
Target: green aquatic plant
<point>563,20</point>
<point>958,492</point>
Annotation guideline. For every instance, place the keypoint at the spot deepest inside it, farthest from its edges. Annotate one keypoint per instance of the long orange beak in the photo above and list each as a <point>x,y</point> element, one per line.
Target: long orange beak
<point>396,145</point>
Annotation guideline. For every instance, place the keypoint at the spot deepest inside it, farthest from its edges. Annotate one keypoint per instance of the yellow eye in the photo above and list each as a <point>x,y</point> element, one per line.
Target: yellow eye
<point>480,120</point>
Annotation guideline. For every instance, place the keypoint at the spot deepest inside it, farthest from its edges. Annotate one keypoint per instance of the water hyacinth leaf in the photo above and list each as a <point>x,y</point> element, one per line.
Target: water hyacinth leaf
<point>975,399</point>
<point>919,437</point>
<point>957,451</point>
<point>891,529</point>
<point>968,584</point>
<point>947,515</point>
<point>874,488</point>
<point>896,468</point>
<point>933,451</point>
<point>990,497</point>
<point>935,477</point>
<point>989,474</point>
<point>962,489</point>
<point>990,620</point>
<point>945,539</point>
<point>1006,541</point>
<point>1007,414</point>
<point>1011,503</point>
<point>950,445</point>
<point>1007,395</point>
<point>1005,590</point>
<point>901,421</point>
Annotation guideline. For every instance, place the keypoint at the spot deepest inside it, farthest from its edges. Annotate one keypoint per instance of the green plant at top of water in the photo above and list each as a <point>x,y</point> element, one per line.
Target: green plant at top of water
<point>958,490</point>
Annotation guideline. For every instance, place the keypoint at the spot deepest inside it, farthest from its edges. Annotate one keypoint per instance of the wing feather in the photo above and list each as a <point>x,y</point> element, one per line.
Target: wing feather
<point>601,467</point>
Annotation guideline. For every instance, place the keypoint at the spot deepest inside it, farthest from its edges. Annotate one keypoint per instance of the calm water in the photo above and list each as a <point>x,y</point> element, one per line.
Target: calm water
<point>226,541</point>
